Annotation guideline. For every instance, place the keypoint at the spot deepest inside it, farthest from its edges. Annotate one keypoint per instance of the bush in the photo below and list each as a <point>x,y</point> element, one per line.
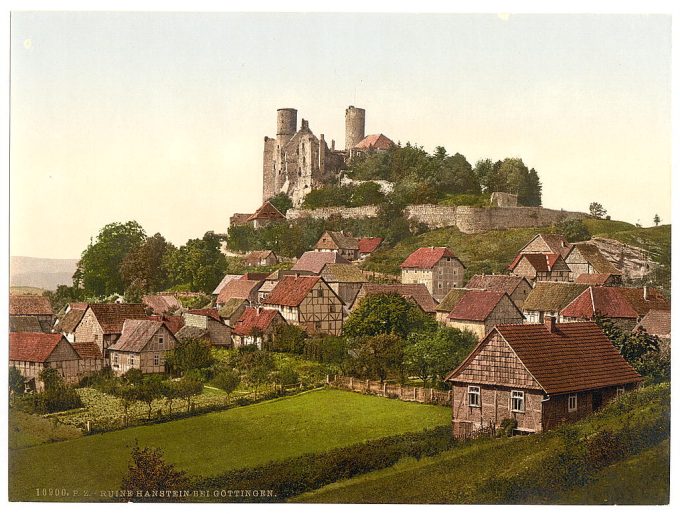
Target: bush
<point>508,425</point>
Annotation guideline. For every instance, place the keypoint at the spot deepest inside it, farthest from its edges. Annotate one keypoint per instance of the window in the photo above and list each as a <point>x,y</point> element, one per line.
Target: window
<point>517,401</point>
<point>331,308</point>
<point>115,359</point>
<point>573,402</point>
<point>96,338</point>
<point>131,360</point>
<point>319,293</point>
<point>160,342</point>
<point>473,396</point>
<point>620,390</point>
<point>156,359</point>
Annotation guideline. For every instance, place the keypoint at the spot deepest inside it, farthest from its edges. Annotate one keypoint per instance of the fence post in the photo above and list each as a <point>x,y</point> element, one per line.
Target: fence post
<point>401,391</point>
<point>351,382</point>
<point>430,395</point>
<point>368,386</point>
<point>328,379</point>
<point>384,389</point>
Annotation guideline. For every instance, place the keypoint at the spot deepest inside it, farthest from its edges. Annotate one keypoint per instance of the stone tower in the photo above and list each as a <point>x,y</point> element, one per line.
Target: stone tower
<point>355,126</point>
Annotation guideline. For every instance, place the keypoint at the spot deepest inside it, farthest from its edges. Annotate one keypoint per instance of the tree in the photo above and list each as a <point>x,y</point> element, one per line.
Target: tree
<point>16,381</point>
<point>656,220</point>
<point>149,390</point>
<point>286,375</point>
<point>148,473</point>
<point>199,264</point>
<point>282,202</point>
<point>376,356</point>
<point>484,171</point>
<point>98,271</point>
<point>258,366</point>
<point>146,264</point>
<point>573,230</point>
<point>386,314</point>
<point>227,380</point>
<point>51,379</point>
<point>189,386</point>
<point>127,395</point>
<point>170,392</point>
<point>188,355</point>
<point>62,296</point>
<point>596,210</point>
<point>133,377</point>
<point>288,338</point>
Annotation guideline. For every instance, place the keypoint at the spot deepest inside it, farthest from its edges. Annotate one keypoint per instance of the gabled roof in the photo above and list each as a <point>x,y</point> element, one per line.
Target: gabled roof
<point>614,302</point>
<point>476,305</point>
<point>345,273</point>
<point>255,319</point>
<point>544,262</point>
<point>369,244</point>
<point>87,350</point>
<point>173,323</point>
<point>315,261</point>
<point>556,243</point>
<point>191,332</point>
<point>267,212</point>
<point>291,290</point>
<point>575,357</point>
<point>338,241</point>
<point>656,323</point>
<point>111,316</point>
<point>34,346</point>
<point>243,289</point>
<point>256,256</point>
<point>136,335</point>
<point>208,313</point>
<point>451,299</point>
<point>505,283</point>
<point>636,296</point>
<point>69,321</point>
<point>416,292</point>
<point>224,282</point>
<point>427,258</point>
<point>375,142</point>
<point>161,303</point>
<point>593,279</point>
<point>229,308</point>
<point>552,296</point>
<point>254,275</point>
<point>29,305</point>
<point>594,257</point>
<point>25,324</point>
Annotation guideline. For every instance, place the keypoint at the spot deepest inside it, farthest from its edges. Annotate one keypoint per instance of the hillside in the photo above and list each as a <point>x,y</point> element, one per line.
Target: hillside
<point>585,463</point>
<point>491,252</point>
<point>41,273</point>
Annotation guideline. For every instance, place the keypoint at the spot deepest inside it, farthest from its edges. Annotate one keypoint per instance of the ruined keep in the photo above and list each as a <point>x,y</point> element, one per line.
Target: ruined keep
<point>296,161</point>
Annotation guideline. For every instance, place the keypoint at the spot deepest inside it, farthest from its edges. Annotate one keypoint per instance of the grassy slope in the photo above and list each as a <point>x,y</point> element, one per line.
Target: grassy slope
<point>29,430</point>
<point>217,442</point>
<point>492,251</point>
<point>459,475</point>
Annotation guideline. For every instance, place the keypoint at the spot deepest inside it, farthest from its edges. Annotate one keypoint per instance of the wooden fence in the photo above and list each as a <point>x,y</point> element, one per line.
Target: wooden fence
<point>405,393</point>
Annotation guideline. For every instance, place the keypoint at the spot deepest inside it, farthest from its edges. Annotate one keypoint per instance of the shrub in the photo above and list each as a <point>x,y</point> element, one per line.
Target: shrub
<point>149,474</point>
<point>508,425</point>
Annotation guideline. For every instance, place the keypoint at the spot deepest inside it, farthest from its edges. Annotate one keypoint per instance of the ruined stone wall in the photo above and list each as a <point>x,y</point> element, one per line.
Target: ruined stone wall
<point>367,211</point>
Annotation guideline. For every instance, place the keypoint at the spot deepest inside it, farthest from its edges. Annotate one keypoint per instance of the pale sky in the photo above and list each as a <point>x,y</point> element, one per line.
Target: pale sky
<point>160,118</point>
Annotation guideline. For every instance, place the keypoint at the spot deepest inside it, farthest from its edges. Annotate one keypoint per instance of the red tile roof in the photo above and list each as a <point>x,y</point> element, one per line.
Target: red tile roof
<point>416,292</point>
<point>614,302</point>
<point>224,282</point>
<point>209,313</point>
<point>656,323</point>
<point>576,357</point>
<point>244,289</point>
<point>427,258</point>
<point>593,279</point>
<point>375,142</point>
<point>636,296</point>
<point>291,290</point>
<point>87,350</point>
<point>331,240</point>
<point>254,276</point>
<point>315,261</point>
<point>111,316</point>
<point>267,212</point>
<point>174,323</point>
<point>161,303</point>
<point>69,321</point>
<point>543,262</point>
<point>556,243</point>
<point>505,283</point>
<point>251,320</point>
<point>476,305</point>
<point>369,244</point>
<point>255,257</point>
<point>29,305</point>
<point>34,346</point>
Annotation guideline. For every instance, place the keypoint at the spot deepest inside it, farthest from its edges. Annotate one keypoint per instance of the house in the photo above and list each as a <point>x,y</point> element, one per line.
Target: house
<point>547,243</point>
<point>447,304</point>
<point>479,311</point>
<point>255,275</point>
<point>161,303</point>
<point>224,282</point>
<point>68,321</point>
<point>344,244</point>
<point>28,324</point>
<point>265,215</point>
<point>435,267</point>
<point>32,305</point>
<point>143,344</point>
<point>656,323</point>
<point>91,359</point>
<point>416,293</point>
<point>209,320</point>
<point>242,289</point>
<point>368,245</point>
<point>174,323</point>
<point>548,299</point>
<point>273,278</point>
<point>586,258</point>
<point>256,326</point>
<point>102,323</point>
<point>261,258</point>
<point>598,279</point>
<point>540,267</point>
<point>345,279</point>
<point>623,305</point>
<point>314,262</point>
<point>518,288</point>
<point>309,302</point>
<point>32,352</point>
<point>231,311</point>
<point>372,143</point>
<point>540,375</point>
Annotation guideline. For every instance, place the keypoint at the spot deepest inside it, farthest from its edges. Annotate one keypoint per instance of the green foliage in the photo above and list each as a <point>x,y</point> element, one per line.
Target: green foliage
<point>481,200</point>
<point>285,375</point>
<point>16,381</point>
<point>656,220</point>
<point>508,425</point>
<point>149,390</point>
<point>63,295</point>
<point>149,474</point>
<point>287,338</point>
<point>510,175</point>
<point>187,387</point>
<point>227,380</point>
<point>27,430</point>
<point>133,377</point>
<point>198,301</point>
<point>282,202</point>
<point>56,397</point>
<point>378,356</point>
<point>258,367</point>
<point>573,230</point>
<point>146,265</point>
<point>135,291</point>
<point>98,271</point>
<point>386,314</point>
<point>188,355</point>
<point>596,210</point>
<point>199,263</point>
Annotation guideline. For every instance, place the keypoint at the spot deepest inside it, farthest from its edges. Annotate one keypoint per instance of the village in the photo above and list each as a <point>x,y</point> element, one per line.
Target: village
<point>525,350</point>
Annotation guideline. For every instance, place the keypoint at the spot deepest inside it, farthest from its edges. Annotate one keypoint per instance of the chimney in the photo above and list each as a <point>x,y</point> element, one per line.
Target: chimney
<point>332,145</point>
<point>644,293</point>
<point>550,323</point>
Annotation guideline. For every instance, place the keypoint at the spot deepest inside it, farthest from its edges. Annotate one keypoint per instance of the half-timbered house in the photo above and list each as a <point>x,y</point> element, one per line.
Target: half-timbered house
<point>143,344</point>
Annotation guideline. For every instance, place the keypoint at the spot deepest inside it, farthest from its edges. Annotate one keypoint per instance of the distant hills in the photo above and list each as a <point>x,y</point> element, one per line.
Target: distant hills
<point>42,273</point>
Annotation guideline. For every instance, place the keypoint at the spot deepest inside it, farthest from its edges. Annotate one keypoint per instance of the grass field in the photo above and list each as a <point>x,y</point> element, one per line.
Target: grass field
<point>463,475</point>
<point>213,443</point>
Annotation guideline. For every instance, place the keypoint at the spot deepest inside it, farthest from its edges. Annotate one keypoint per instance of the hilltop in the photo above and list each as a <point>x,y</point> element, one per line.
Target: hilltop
<point>40,272</point>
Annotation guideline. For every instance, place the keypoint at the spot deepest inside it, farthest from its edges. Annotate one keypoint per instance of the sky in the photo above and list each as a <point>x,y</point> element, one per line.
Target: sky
<point>160,117</point>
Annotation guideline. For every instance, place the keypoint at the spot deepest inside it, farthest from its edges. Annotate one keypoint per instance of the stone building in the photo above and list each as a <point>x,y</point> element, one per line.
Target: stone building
<point>340,242</point>
<point>345,279</point>
<point>216,331</point>
<point>479,311</point>
<point>260,258</point>
<point>435,267</point>
<point>586,258</point>
<point>538,375</point>
<point>143,344</point>
<point>102,323</point>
